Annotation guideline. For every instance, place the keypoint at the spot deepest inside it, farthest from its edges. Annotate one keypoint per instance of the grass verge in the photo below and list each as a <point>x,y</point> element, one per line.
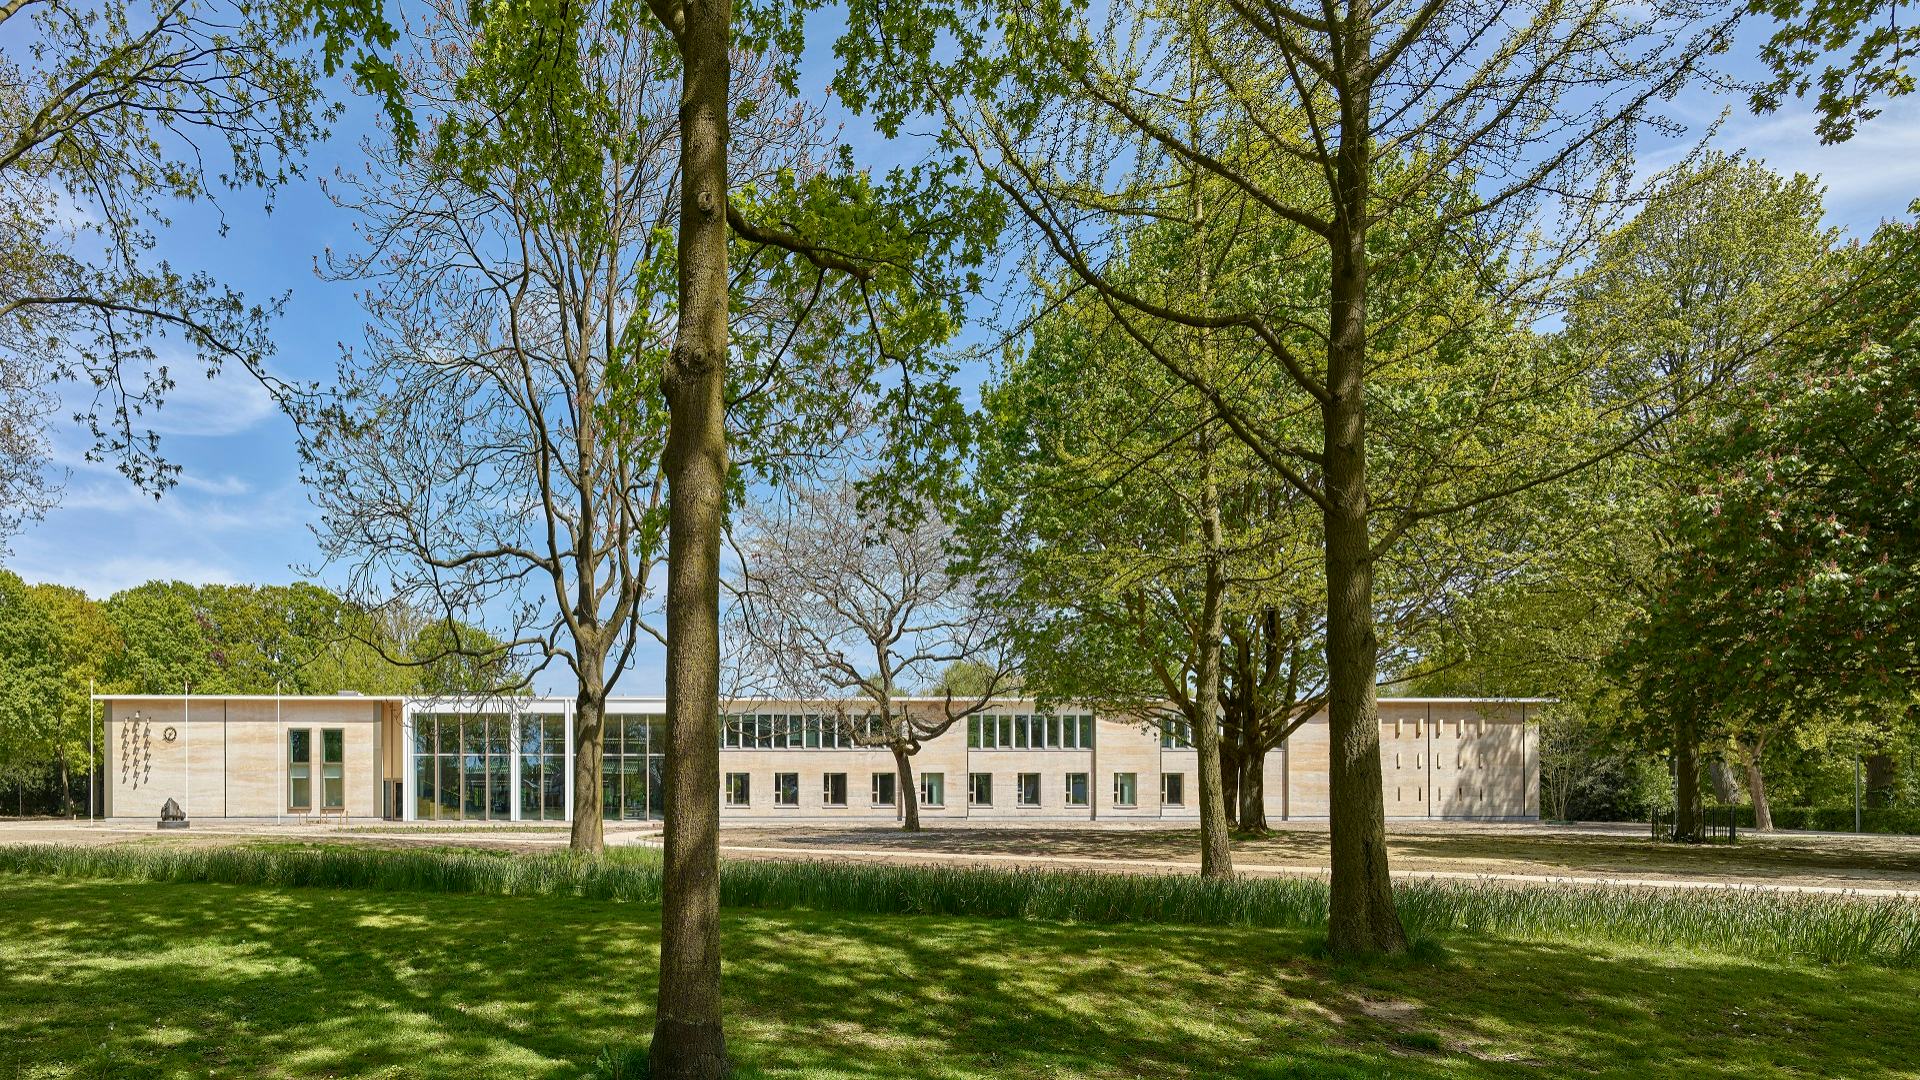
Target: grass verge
<point>135,979</point>
<point>1775,926</point>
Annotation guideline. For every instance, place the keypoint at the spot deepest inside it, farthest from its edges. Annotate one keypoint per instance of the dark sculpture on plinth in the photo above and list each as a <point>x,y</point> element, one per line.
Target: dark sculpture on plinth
<point>172,817</point>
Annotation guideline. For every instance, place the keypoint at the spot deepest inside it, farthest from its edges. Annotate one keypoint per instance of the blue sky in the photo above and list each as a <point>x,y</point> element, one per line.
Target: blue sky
<point>239,513</point>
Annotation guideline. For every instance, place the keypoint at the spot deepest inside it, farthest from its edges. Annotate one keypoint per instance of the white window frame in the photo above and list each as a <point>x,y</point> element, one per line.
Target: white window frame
<point>778,787</point>
<point>1182,780</point>
<point>973,792</point>
<point>1020,781</point>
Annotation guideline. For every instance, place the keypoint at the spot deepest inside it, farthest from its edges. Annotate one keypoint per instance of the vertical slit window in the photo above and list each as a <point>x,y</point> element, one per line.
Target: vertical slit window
<point>300,769</point>
<point>333,768</point>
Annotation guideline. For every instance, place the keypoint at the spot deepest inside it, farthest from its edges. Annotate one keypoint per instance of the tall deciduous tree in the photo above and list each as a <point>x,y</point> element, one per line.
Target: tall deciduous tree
<point>1499,116</point>
<point>834,601</point>
<point>1786,601</point>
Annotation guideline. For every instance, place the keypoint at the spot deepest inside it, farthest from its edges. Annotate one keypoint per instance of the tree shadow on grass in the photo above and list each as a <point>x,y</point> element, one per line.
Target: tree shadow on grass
<point>118,979</point>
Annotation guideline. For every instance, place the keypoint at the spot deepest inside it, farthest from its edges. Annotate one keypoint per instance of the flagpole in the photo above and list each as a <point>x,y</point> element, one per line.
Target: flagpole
<point>90,763</point>
<point>186,715</point>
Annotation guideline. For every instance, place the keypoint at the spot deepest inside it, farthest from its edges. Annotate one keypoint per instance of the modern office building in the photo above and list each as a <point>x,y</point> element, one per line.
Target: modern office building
<point>419,759</point>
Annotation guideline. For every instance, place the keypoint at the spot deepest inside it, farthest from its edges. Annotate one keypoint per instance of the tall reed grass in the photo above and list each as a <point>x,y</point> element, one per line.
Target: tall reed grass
<point>1762,925</point>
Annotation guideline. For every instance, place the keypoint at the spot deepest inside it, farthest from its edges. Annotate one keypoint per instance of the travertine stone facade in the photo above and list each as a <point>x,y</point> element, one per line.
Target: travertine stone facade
<point>220,756</point>
<point>1439,758</point>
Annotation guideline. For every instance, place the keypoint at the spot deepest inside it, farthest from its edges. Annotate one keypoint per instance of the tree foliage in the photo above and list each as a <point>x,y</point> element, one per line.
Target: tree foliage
<point>1794,582</point>
<point>114,119</point>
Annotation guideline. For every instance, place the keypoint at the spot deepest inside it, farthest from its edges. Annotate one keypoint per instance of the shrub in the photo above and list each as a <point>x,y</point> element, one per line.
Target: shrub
<point>1899,820</point>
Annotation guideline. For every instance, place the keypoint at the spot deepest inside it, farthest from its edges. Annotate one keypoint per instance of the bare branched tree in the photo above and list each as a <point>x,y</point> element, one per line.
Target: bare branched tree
<point>494,452</point>
<point>836,603</point>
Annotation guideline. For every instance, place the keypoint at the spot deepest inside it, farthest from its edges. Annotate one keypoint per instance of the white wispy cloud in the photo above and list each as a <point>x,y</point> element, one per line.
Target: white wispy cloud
<point>101,578</point>
<point>228,404</point>
<point>1870,178</point>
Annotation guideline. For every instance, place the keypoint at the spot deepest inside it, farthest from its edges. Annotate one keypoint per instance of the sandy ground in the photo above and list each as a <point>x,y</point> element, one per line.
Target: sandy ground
<point>1518,852</point>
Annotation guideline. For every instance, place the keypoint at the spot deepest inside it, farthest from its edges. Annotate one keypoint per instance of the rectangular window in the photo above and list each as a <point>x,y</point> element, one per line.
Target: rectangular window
<point>973,732</point>
<point>763,732</point>
<point>739,789</point>
<point>933,789</point>
<point>1076,789</point>
<point>780,733</point>
<point>333,768</point>
<point>1006,731</point>
<point>1126,789</point>
<point>794,731</point>
<point>1173,789</point>
<point>980,789</point>
<point>530,786</point>
<point>423,787</point>
<point>786,789</point>
<point>1086,732</point>
<point>300,769</point>
<point>833,789</point>
<point>1026,790</point>
<point>883,788</point>
<point>1069,733</point>
<point>1020,732</point>
<point>813,732</point>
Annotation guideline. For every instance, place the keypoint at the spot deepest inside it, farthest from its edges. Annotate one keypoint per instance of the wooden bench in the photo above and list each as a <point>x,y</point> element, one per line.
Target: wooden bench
<point>339,812</point>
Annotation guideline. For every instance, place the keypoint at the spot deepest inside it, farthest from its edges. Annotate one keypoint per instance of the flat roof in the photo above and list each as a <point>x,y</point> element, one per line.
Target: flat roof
<point>545,699</point>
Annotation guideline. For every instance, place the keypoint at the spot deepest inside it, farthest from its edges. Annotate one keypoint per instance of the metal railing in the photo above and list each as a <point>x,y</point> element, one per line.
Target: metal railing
<point>1713,825</point>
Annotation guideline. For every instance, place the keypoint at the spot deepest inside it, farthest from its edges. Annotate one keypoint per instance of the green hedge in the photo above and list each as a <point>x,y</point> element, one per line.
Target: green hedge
<point>1901,820</point>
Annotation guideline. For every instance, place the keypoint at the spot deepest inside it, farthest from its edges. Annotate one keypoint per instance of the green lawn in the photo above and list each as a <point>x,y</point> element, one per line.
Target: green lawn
<point>121,979</point>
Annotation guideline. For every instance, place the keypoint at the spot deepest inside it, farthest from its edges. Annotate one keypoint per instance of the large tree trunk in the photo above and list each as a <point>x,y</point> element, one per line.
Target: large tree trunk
<point>1216,859</point>
<point>1880,780</point>
<point>1253,791</point>
<point>1361,916</point>
<point>909,798</point>
<point>688,1040</point>
<point>1686,780</point>
<point>588,834</point>
<point>1726,790</point>
<point>1757,788</point>
<point>1230,781</point>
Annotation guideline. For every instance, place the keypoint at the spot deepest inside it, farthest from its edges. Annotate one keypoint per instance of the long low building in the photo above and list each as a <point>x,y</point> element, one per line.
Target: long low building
<point>494,759</point>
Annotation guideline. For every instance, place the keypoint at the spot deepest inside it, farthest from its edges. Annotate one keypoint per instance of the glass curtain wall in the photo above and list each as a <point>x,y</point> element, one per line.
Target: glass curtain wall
<point>633,768</point>
<point>461,767</point>
<point>543,768</point>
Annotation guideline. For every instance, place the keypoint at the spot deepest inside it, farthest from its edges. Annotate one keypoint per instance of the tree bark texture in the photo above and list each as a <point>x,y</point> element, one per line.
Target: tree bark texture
<point>1757,790</point>
<point>1253,791</point>
<point>688,1040</point>
<point>1216,858</point>
<point>1686,780</point>
<point>1361,918</point>
<point>909,798</point>
<point>589,735</point>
